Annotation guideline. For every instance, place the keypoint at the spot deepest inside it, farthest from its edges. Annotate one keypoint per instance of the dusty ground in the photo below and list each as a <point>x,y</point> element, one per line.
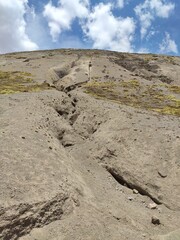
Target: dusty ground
<point>86,152</point>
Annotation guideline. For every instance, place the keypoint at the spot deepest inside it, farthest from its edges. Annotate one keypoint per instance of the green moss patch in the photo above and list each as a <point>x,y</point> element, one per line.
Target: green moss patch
<point>16,81</point>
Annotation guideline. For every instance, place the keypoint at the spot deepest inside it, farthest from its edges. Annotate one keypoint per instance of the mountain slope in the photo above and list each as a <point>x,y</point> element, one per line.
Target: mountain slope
<point>88,140</point>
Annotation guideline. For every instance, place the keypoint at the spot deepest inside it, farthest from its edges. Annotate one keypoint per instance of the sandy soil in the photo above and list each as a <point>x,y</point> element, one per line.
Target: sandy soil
<point>97,154</point>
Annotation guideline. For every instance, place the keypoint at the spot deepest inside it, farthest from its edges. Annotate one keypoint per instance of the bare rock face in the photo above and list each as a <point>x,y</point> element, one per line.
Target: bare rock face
<point>175,235</point>
<point>89,152</point>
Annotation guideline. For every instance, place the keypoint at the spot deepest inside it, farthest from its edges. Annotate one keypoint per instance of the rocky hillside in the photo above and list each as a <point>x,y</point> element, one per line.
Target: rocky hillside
<point>89,146</point>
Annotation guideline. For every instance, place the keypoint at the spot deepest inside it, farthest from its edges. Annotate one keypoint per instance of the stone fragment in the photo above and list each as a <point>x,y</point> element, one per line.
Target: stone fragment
<point>135,191</point>
<point>162,173</point>
<point>152,206</point>
<point>130,198</point>
<point>155,220</point>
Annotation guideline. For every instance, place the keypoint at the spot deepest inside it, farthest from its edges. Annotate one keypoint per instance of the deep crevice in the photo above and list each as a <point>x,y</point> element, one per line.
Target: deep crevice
<point>68,145</point>
<point>62,112</point>
<point>121,180</point>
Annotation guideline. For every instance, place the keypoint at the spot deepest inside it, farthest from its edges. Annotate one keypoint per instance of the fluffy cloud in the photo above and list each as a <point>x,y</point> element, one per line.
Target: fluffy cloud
<point>120,3</point>
<point>100,26</point>
<point>151,9</point>
<point>162,8</point>
<point>168,45</point>
<point>107,31</point>
<point>61,17</point>
<point>13,35</point>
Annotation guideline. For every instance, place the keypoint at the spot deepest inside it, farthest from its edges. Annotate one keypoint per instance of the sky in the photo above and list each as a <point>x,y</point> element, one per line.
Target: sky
<point>144,26</point>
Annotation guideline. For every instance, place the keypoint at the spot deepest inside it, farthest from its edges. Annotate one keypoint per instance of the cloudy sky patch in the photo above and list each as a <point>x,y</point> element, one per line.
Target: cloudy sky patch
<point>168,45</point>
<point>107,31</point>
<point>13,35</point>
<point>120,25</point>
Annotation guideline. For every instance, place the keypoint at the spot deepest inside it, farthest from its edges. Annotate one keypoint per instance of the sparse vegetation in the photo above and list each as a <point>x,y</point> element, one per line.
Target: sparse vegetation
<point>20,57</point>
<point>16,81</point>
<point>133,93</point>
<point>174,89</point>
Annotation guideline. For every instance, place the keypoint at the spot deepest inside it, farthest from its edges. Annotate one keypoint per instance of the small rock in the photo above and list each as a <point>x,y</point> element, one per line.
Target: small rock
<point>162,173</point>
<point>152,206</point>
<point>23,137</point>
<point>159,210</point>
<point>155,220</point>
<point>12,195</point>
<point>130,198</point>
<point>135,191</point>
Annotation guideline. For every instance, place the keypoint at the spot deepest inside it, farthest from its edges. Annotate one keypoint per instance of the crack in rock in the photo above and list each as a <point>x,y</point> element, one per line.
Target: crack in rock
<point>19,220</point>
<point>121,180</point>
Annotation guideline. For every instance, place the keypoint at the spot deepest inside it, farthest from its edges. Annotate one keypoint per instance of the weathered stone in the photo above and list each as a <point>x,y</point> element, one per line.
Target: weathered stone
<point>152,206</point>
<point>155,220</point>
<point>163,173</point>
<point>130,198</point>
<point>135,191</point>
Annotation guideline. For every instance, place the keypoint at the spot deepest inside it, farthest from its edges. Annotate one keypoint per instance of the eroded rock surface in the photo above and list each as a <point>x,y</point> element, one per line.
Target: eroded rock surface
<point>175,235</point>
<point>85,158</point>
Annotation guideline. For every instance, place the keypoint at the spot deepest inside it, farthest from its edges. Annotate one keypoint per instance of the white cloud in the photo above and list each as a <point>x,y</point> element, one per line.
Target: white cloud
<point>37,28</point>
<point>120,3</point>
<point>168,45</point>
<point>109,32</point>
<point>61,17</point>
<point>100,26</point>
<point>162,8</point>
<point>151,33</point>
<point>151,9</point>
<point>13,35</point>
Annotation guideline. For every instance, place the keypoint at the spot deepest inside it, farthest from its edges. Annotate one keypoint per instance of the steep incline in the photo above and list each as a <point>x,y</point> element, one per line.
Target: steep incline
<point>94,153</point>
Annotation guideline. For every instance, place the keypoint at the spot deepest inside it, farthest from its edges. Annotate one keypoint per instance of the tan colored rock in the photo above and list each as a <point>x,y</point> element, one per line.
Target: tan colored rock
<point>63,155</point>
<point>135,191</point>
<point>152,206</point>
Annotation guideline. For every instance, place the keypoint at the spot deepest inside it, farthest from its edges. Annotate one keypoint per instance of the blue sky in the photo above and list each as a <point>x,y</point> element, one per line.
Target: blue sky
<point>150,26</point>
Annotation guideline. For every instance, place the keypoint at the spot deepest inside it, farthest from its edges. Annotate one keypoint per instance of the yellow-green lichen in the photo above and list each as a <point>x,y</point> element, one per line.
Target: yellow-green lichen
<point>16,81</point>
<point>174,89</point>
<point>130,84</point>
<point>135,94</point>
<point>170,110</point>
